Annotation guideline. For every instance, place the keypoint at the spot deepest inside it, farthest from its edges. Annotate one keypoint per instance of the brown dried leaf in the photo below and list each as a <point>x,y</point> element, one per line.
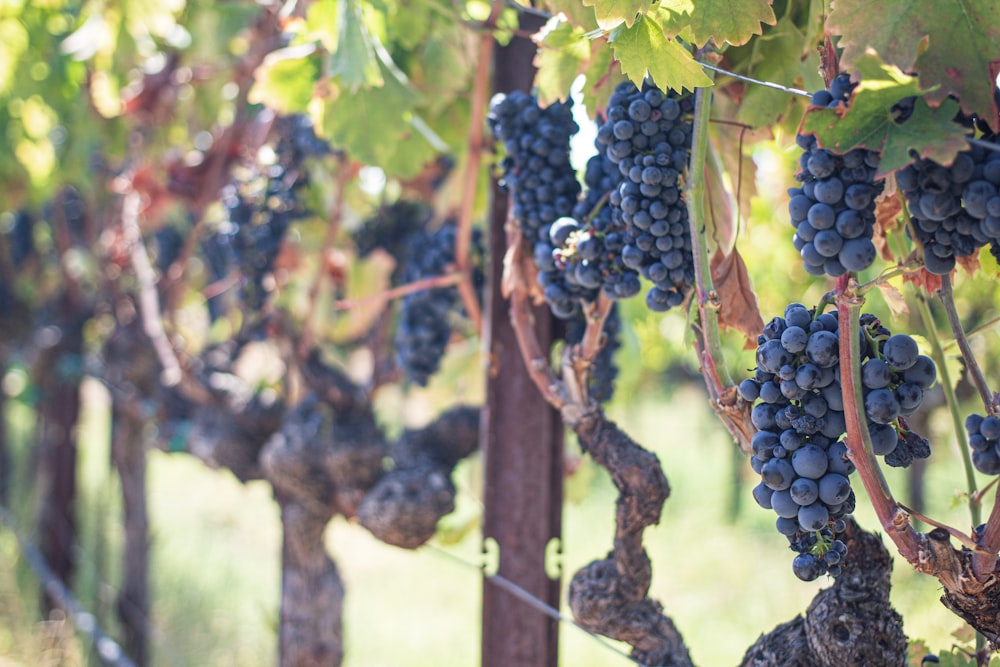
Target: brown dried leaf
<point>894,299</point>
<point>924,279</point>
<point>970,263</point>
<point>887,209</point>
<point>829,65</point>
<point>739,309</point>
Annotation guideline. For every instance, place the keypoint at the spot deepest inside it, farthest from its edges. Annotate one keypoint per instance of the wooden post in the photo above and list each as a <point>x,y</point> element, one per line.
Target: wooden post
<point>128,451</point>
<point>58,375</point>
<point>522,446</point>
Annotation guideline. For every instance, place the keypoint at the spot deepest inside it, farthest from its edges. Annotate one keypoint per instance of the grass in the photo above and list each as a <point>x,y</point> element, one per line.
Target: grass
<point>724,577</point>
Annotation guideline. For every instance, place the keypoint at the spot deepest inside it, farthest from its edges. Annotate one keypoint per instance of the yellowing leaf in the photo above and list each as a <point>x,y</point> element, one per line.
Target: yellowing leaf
<point>611,13</point>
<point>953,45</point>
<point>562,52</point>
<point>321,23</point>
<point>868,122</point>
<point>285,80</point>
<point>728,21</point>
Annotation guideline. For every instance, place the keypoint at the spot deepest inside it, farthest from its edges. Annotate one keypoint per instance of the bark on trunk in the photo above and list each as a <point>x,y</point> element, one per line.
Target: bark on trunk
<point>312,594</point>
<point>851,623</point>
<point>610,596</point>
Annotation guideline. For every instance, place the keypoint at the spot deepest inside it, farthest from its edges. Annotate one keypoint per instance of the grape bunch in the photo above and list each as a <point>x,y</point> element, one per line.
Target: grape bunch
<point>601,383</point>
<point>20,237</point>
<point>894,376</point>
<point>582,253</point>
<point>168,242</point>
<point>602,177</point>
<point>833,211</point>
<point>799,413</point>
<point>797,450</point>
<point>425,317</point>
<point>647,134</point>
<point>217,255</point>
<point>536,168</point>
<point>954,210</point>
<point>391,227</point>
<point>984,441</point>
<point>568,272</point>
<point>261,203</point>
<point>259,210</point>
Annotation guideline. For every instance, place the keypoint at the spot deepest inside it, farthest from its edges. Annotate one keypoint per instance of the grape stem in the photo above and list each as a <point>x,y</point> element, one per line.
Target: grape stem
<point>173,373</point>
<point>975,372</point>
<point>937,354</point>
<point>463,240</point>
<point>732,410</point>
<point>332,227</point>
<point>964,539</point>
<point>522,321</point>
<point>712,358</point>
<point>445,280</point>
<point>893,518</point>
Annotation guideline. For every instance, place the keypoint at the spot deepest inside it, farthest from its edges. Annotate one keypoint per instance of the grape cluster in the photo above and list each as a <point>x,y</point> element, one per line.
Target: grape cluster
<point>799,414</point>
<point>601,383</point>
<point>259,210</point>
<point>567,268</point>
<point>263,200</point>
<point>797,449</point>
<point>602,177</point>
<point>894,376</point>
<point>390,228</point>
<point>218,257</point>
<point>536,168</point>
<point>425,317</point>
<point>647,134</point>
<point>582,253</point>
<point>955,210</point>
<point>833,211</point>
<point>21,237</point>
<point>168,242</point>
<point>984,441</point>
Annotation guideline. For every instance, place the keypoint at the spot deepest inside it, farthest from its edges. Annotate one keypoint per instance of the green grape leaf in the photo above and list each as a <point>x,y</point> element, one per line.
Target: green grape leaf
<point>868,122</point>
<point>644,47</point>
<point>444,63</point>
<point>955,46</point>
<point>354,61</point>
<point>929,132</point>
<point>373,124</point>
<point>562,52</point>
<point>727,21</point>
<point>988,262</point>
<point>285,80</point>
<point>612,13</point>
<point>778,57</point>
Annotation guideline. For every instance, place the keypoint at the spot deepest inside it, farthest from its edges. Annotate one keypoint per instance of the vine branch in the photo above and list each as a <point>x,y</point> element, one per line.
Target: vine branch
<point>975,372</point>
<point>893,518</point>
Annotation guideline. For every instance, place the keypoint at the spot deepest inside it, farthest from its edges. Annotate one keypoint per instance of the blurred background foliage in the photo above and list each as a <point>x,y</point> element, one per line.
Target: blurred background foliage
<point>72,77</point>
